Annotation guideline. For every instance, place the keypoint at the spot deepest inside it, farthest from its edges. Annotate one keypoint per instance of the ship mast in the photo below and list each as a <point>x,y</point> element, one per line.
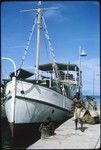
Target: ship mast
<point>39,20</point>
<point>39,14</point>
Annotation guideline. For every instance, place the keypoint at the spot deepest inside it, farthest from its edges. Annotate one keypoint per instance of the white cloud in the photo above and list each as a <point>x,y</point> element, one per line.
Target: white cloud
<point>29,68</point>
<point>91,64</point>
<point>91,37</point>
<point>90,71</point>
<point>56,14</point>
<point>19,46</point>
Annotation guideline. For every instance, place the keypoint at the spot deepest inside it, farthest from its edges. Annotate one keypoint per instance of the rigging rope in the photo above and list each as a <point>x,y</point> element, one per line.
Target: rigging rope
<point>28,43</point>
<point>48,38</point>
<point>46,46</point>
<point>55,67</point>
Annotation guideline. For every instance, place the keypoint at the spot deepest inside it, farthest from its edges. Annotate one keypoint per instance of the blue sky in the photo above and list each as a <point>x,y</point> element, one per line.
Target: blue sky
<point>73,25</point>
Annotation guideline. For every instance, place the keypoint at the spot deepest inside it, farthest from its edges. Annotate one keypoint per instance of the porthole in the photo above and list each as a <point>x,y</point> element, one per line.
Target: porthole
<point>22,92</point>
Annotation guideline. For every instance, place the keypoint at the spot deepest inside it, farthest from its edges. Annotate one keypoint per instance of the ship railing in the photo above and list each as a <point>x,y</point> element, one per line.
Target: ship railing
<point>67,76</point>
<point>70,81</point>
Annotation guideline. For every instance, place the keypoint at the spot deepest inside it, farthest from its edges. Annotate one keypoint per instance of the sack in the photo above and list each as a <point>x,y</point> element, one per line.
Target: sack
<point>88,119</point>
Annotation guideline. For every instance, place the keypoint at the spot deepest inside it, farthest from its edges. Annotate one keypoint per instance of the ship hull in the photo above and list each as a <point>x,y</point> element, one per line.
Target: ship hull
<point>35,104</point>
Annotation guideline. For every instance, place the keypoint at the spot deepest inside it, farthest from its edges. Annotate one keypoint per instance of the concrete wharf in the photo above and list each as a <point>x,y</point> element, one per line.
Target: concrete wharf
<point>66,137</point>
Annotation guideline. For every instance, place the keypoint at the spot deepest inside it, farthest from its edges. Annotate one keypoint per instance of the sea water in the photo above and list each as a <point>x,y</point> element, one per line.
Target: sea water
<point>20,142</point>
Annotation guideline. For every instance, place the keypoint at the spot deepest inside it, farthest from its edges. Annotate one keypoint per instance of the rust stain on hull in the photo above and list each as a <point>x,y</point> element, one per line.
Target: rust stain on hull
<point>12,128</point>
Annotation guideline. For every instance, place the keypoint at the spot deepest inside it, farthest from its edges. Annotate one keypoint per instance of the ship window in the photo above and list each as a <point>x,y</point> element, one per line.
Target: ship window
<point>22,92</point>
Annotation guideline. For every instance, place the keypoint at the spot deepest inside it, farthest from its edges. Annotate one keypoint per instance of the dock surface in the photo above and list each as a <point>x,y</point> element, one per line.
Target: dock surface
<point>66,137</point>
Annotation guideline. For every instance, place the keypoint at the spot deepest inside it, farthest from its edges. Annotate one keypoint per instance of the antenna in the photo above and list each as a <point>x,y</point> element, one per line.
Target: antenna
<point>45,9</point>
<point>39,5</point>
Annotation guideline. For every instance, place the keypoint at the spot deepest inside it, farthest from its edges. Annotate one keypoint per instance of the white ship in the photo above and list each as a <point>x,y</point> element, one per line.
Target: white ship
<point>32,100</point>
